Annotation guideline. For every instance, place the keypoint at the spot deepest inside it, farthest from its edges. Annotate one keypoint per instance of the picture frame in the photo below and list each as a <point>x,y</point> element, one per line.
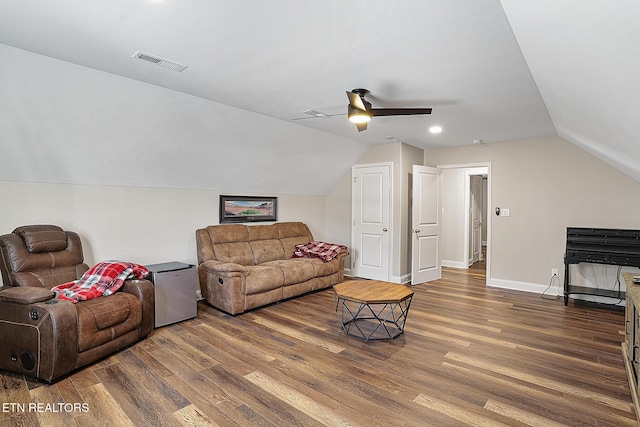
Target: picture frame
<point>234,209</point>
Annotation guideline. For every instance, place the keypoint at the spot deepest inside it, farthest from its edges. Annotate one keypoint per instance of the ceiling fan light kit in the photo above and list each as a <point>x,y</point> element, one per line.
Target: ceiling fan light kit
<point>358,116</point>
<point>360,112</point>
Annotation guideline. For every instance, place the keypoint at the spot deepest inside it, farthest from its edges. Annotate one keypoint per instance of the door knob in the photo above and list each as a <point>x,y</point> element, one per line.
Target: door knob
<point>417,230</point>
<point>384,229</point>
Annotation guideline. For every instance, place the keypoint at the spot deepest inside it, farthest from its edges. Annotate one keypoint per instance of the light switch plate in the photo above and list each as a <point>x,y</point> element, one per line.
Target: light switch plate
<point>504,212</point>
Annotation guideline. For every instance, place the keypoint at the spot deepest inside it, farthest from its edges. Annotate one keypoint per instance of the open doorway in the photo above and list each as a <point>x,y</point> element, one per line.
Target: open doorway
<point>477,221</point>
<point>466,237</point>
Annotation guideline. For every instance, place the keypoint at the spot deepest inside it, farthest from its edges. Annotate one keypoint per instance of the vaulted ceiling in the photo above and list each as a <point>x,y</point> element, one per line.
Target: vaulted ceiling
<point>74,100</point>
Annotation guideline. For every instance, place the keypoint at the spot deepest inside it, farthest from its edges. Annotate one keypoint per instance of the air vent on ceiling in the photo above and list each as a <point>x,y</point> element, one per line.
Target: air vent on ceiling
<point>160,61</point>
<point>316,113</point>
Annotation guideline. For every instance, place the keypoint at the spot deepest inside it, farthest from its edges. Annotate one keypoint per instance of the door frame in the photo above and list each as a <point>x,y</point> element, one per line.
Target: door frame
<point>489,218</point>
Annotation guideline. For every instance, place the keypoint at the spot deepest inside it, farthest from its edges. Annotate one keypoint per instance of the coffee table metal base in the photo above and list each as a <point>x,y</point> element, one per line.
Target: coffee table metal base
<point>372,321</point>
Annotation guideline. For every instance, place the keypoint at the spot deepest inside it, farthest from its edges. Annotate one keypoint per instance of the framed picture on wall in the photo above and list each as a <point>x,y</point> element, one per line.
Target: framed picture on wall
<point>248,209</point>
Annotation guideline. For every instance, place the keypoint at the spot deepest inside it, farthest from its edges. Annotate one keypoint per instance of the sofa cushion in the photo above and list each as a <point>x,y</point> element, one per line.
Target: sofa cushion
<point>289,244</point>
<point>48,277</point>
<point>238,252</point>
<point>294,270</point>
<point>292,234</point>
<point>42,238</point>
<point>228,233</point>
<point>322,268</point>
<point>292,229</point>
<point>265,244</point>
<point>267,250</point>
<point>262,278</point>
<point>262,232</point>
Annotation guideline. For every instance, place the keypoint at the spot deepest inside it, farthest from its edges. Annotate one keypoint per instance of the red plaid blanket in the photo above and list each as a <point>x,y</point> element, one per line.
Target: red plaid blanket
<point>103,279</point>
<point>322,250</point>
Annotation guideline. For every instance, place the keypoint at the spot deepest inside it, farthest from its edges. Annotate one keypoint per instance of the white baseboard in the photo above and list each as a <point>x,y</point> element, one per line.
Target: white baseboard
<point>515,285</point>
<point>405,279</point>
<point>454,264</point>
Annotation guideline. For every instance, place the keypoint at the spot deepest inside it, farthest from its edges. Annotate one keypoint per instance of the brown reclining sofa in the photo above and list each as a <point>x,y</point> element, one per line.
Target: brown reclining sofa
<point>242,267</point>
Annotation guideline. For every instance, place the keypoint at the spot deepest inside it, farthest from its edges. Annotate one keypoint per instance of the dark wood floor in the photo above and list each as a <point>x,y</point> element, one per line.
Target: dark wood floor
<point>470,355</point>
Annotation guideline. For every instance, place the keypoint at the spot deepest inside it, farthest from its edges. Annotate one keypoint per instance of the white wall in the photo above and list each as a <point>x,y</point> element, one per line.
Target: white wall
<point>453,196</point>
<point>338,216</point>
<point>548,184</point>
<point>143,225</point>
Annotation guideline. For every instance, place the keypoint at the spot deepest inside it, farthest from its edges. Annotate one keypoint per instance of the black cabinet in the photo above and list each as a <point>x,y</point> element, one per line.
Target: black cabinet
<point>600,246</point>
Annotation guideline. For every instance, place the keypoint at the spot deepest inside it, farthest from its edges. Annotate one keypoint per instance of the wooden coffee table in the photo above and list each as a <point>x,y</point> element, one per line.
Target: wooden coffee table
<point>372,309</point>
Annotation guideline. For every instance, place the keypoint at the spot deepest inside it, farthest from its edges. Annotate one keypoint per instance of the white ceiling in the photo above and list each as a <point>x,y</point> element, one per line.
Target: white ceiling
<point>491,70</point>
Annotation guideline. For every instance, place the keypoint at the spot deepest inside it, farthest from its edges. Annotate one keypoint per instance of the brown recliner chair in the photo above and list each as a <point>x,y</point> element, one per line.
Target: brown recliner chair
<point>46,338</point>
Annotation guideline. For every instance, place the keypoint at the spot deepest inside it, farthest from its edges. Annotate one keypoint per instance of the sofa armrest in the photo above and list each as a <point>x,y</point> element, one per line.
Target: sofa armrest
<point>223,268</point>
<point>25,294</point>
<point>143,290</point>
<point>29,331</point>
<point>223,285</point>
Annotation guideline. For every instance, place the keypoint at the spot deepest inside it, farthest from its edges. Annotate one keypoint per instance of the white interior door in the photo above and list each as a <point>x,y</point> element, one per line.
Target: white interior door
<point>371,211</point>
<point>426,212</point>
<point>476,219</point>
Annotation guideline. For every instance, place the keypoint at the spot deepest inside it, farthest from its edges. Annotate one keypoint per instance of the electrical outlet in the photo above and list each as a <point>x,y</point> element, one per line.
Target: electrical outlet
<point>554,272</point>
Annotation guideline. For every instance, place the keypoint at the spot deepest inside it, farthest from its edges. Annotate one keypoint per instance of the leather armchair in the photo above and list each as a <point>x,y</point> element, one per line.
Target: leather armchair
<point>47,338</point>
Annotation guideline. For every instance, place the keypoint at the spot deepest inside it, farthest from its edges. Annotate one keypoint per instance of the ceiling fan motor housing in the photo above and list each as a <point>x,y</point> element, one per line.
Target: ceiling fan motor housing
<point>361,92</point>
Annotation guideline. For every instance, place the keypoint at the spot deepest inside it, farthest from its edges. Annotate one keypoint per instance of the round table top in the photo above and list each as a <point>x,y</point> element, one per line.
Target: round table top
<point>372,291</point>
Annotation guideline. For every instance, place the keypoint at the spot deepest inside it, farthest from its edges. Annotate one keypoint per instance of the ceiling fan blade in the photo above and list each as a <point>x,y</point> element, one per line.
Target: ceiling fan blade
<point>325,116</point>
<point>356,101</point>
<point>361,126</point>
<point>399,111</point>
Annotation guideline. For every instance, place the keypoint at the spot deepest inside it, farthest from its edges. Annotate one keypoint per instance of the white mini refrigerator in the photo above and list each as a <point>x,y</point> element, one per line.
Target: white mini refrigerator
<point>175,285</point>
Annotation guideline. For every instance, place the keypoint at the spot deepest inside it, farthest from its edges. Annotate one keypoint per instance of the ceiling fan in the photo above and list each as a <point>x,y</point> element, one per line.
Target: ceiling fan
<point>360,111</point>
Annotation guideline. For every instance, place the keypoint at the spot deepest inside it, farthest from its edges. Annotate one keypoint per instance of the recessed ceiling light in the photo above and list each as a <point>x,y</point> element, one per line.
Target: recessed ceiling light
<point>435,129</point>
